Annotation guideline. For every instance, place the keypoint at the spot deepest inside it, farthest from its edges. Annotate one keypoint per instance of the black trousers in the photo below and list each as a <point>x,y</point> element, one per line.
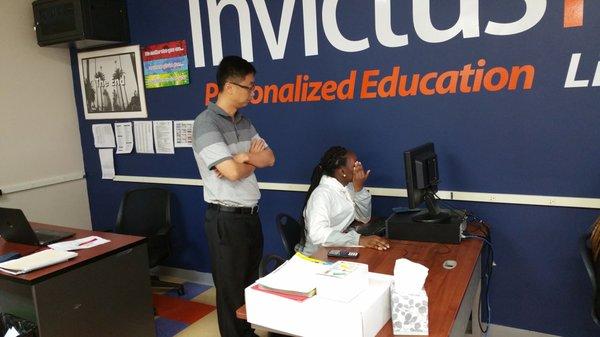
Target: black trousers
<point>235,242</point>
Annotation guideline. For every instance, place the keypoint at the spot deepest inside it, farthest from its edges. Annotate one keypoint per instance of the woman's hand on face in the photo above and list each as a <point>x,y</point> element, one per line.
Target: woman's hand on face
<point>374,242</point>
<point>359,176</point>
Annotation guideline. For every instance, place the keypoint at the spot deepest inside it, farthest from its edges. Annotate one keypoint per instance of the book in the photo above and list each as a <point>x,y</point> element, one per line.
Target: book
<point>299,298</point>
<point>36,261</point>
<point>296,277</point>
<point>309,292</point>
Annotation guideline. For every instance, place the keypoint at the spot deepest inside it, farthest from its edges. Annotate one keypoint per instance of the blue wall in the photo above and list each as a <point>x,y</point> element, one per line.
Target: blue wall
<point>540,141</point>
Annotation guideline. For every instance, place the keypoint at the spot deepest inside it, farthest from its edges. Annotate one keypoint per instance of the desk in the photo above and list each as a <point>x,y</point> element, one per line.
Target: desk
<point>104,291</point>
<point>453,294</point>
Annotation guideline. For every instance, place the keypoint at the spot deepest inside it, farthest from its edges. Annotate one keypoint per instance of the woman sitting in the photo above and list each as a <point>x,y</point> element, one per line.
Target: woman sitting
<point>336,198</point>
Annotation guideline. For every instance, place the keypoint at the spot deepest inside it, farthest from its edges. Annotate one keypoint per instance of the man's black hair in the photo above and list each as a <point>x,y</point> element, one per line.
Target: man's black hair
<point>233,68</point>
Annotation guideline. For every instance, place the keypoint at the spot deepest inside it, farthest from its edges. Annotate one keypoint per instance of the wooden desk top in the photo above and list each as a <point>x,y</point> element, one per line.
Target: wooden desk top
<point>118,242</point>
<point>445,288</point>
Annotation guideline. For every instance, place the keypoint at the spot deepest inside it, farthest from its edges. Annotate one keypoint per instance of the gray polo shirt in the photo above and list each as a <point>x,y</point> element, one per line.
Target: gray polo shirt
<point>217,138</point>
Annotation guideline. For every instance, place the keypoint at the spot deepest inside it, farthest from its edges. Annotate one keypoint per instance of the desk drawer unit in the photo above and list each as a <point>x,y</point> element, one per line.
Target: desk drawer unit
<point>110,296</point>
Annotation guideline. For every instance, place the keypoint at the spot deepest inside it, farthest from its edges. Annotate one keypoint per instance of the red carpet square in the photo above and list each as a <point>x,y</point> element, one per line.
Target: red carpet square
<point>179,309</point>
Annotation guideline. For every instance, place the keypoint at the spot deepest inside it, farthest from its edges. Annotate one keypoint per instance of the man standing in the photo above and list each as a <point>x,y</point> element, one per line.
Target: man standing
<point>228,149</point>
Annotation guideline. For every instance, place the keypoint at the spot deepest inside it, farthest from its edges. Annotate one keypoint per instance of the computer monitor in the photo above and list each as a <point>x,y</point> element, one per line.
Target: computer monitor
<point>422,178</point>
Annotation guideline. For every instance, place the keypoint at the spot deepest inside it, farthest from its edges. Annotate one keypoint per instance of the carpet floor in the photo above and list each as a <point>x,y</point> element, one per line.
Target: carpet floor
<point>192,314</point>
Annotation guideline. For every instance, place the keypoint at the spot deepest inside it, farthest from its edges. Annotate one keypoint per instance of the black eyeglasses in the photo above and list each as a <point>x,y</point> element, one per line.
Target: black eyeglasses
<point>249,88</point>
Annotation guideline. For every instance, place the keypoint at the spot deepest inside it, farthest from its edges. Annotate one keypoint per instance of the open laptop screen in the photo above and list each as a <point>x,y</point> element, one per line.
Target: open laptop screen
<point>14,227</point>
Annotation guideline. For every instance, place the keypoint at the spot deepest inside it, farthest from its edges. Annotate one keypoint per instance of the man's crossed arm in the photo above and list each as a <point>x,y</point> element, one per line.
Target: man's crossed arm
<point>243,164</point>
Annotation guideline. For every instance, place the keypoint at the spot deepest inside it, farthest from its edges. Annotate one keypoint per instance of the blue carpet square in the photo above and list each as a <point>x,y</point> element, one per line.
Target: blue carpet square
<point>168,328</point>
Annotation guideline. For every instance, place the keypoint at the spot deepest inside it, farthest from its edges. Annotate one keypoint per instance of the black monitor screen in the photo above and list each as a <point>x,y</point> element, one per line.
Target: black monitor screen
<point>422,178</point>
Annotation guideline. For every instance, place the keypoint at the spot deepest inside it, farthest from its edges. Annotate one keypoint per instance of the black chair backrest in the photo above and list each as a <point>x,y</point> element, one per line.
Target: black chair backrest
<point>144,212</point>
<point>290,231</point>
<point>147,212</point>
<point>269,263</point>
<point>593,270</point>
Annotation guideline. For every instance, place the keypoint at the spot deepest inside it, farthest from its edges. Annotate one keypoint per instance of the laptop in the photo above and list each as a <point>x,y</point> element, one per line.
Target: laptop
<point>14,227</point>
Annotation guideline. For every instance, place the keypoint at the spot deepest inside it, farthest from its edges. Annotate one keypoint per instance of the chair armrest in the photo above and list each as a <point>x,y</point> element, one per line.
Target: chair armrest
<point>586,256</point>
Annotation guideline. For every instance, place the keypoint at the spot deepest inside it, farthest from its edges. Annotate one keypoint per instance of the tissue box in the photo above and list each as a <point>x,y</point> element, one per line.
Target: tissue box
<point>343,281</point>
<point>363,316</point>
<point>410,312</point>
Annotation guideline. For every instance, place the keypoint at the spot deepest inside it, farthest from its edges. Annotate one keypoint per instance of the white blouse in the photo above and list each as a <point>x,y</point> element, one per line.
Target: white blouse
<point>331,208</point>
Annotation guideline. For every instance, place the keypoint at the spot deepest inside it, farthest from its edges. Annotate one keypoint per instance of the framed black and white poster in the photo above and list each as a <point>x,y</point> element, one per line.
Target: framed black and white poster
<point>112,84</point>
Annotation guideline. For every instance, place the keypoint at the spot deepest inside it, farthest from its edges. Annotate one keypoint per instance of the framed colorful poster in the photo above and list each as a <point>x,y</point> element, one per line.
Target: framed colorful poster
<point>165,64</point>
<point>112,83</point>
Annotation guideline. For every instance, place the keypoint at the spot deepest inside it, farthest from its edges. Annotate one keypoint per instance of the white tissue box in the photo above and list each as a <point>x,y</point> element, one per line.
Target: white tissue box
<point>343,281</point>
<point>364,316</point>
<point>410,312</point>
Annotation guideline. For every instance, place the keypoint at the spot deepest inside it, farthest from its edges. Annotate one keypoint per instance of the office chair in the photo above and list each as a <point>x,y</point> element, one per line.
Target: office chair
<point>147,212</point>
<point>592,268</point>
<point>269,263</point>
<point>290,231</point>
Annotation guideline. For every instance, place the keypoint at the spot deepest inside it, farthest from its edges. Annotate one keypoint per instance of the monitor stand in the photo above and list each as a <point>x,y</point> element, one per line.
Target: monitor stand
<point>433,213</point>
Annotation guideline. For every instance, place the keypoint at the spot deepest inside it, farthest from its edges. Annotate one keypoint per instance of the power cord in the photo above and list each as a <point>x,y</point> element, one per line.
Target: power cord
<point>485,278</point>
<point>451,208</point>
<point>470,216</point>
<point>488,263</point>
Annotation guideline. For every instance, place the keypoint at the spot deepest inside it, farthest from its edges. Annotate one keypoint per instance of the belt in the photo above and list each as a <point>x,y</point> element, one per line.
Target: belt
<point>230,209</point>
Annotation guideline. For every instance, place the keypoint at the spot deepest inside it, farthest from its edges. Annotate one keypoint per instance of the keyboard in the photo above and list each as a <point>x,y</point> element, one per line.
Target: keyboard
<point>44,236</point>
<point>373,228</point>
<point>49,236</point>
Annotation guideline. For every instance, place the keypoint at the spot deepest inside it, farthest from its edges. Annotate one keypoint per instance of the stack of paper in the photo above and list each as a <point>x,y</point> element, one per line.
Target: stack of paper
<point>296,277</point>
<point>83,243</point>
<point>35,261</point>
<point>343,269</point>
<point>343,281</point>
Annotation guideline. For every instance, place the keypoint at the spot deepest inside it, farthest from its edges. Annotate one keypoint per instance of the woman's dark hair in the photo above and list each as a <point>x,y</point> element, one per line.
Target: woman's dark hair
<point>332,159</point>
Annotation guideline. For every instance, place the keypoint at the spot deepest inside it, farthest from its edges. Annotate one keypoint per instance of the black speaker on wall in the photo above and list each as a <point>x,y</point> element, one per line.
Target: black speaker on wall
<point>84,23</point>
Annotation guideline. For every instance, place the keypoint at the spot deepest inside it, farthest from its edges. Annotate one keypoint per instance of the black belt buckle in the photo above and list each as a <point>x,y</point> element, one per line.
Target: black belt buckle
<point>254,210</point>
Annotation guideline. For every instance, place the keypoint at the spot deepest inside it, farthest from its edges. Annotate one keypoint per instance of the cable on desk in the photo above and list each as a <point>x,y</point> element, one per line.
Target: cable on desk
<point>471,217</point>
<point>450,207</point>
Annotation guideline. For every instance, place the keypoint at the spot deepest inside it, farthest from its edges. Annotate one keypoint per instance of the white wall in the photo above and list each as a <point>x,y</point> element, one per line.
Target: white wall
<point>39,134</point>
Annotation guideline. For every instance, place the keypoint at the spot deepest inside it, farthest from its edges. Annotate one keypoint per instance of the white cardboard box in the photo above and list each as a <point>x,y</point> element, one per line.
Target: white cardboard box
<point>352,279</point>
<point>364,316</point>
